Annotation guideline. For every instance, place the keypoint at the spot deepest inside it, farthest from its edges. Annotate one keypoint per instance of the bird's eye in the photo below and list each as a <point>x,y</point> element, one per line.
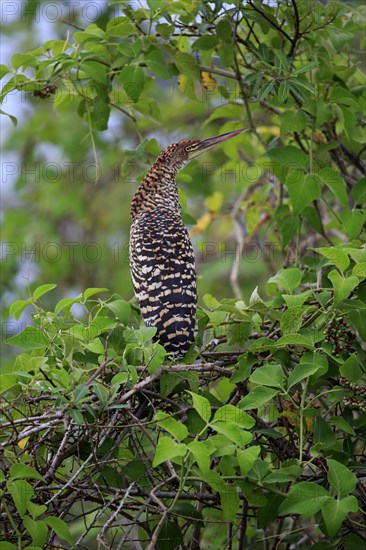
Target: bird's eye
<point>188,148</point>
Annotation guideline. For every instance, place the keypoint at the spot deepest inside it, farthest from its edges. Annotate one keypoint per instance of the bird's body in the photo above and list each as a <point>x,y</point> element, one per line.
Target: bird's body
<point>161,254</point>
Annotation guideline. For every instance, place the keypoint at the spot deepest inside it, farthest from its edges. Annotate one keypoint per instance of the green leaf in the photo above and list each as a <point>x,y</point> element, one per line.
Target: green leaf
<point>211,302</point>
<point>359,270</point>
<point>167,449</point>
<point>289,156</point>
<point>298,85</point>
<point>335,256</point>
<point>7,381</point>
<point>291,319</point>
<point>324,437</point>
<point>260,345</point>
<point>207,42</point>
<point>19,470</point>
<point>187,511</point>
<point>265,90</point>
<point>335,512</point>
<point>101,392</point>
<point>284,475</point>
<point>171,425</point>
<point>187,65</point>
<point>90,34</point>
<point>41,290</point>
<point>351,369</point>
<point>282,93</point>
<point>95,346</point>
<point>95,70</point>
<point>342,480</point>
<point>201,455</point>
<point>168,381</point>
<point>17,307</point>
<point>21,492</point>
<point>121,309</point>
<point>57,46</point>
<point>30,338</point>
<point>213,479</point>
<point>139,336</point>
<point>230,501</point>
<point>170,536</point>
<point>3,71</point>
<point>289,278</point>
<point>306,67</point>
<point>80,392</point>
<point>358,191</point>
<point>246,458</point>
<point>201,405</point>
<point>353,222</point>
<point>269,375</point>
<point>305,498</point>
<point>61,528</point>
<point>292,121</point>
<point>23,60</point>
<point>303,189</point>
<point>257,397</point>
<point>301,372</point>
<point>91,291</point>
<point>225,111</point>
<point>157,65</point>
<point>245,364</point>
<point>65,304</point>
<point>133,80</point>
<point>154,357</point>
<point>120,27</point>
<point>230,413</point>
<point>295,340</point>
<point>223,29</point>
<point>37,530</point>
<point>233,432</point>
<point>342,424</point>
<point>99,114</point>
<point>13,119</point>
<point>343,286</point>
<point>187,85</point>
<point>164,30</point>
<point>98,326</point>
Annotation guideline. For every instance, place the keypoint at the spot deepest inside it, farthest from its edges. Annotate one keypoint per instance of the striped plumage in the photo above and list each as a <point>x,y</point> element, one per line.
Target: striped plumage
<point>161,254</point>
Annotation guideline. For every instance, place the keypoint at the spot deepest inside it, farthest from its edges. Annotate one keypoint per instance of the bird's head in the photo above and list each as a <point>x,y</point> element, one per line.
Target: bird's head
<point>178,154</point>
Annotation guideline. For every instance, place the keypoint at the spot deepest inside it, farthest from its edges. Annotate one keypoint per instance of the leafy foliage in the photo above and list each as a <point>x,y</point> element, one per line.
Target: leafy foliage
<point>259,434</point>
<point>97,409</point>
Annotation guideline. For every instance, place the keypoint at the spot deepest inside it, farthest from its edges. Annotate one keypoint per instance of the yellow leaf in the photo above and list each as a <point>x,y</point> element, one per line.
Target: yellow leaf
<point>208,81</point>
<point>319,137</point>
<point>252,218</point>
<point>202,224</point>
<point>23,442</point>
<point>309,424</point>
<point>214,202</point>
<point>273,130</point>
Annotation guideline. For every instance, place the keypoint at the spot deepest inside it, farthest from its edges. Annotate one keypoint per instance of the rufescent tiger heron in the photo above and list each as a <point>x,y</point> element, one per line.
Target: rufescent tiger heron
<point>161,255</point>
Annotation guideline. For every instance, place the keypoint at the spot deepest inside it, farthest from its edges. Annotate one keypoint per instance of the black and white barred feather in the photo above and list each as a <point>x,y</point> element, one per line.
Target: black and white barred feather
<point>161,254</point>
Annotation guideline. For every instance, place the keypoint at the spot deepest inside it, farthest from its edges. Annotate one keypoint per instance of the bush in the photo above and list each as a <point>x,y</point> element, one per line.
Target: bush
<point>105,439</point>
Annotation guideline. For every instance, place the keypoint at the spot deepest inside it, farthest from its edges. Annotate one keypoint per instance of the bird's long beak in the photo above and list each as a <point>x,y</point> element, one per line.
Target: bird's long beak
<point>210,142</point>
<point>201,146</point>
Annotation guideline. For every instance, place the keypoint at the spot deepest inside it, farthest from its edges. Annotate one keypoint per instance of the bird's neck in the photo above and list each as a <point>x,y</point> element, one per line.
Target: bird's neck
<point>158,190</point>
